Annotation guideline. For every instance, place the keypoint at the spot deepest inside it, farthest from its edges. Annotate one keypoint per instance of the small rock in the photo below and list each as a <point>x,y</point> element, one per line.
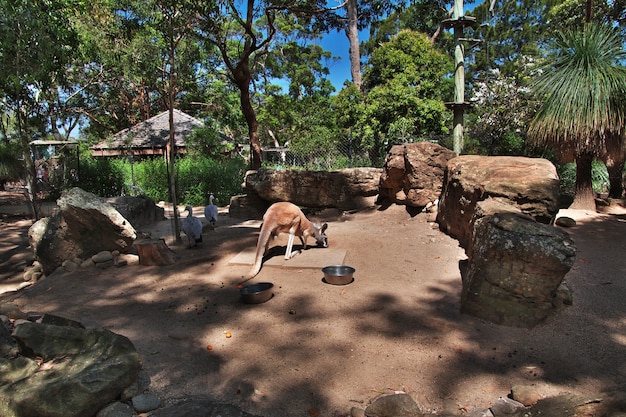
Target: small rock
<point>143,403</point>
<point>395,405</point>
<point>563,296</point>
<point>357,412</point>
<point>69,266</point>
<point>479,412</point>
<point>564,221</point>
<point>88,263</point>
<point>37,266</point>
<point>116,409</point>
<point>103,256</point>
<point>28,275</point>
<point>504,406</point>
<point>450,406</point>
<point>129,258</point>
<point>104,265</point>
<point>119,262</point>
<point>525,394</point>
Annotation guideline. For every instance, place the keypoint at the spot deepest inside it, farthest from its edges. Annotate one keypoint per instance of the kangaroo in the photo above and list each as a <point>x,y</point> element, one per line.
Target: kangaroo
<point>285,217</point>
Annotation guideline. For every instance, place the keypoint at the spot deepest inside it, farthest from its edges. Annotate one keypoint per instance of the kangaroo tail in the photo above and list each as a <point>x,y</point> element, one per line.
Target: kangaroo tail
<point>261,246</point>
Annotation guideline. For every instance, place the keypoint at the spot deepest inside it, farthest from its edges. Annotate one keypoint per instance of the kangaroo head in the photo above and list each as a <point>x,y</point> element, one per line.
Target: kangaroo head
<point>318,233</point>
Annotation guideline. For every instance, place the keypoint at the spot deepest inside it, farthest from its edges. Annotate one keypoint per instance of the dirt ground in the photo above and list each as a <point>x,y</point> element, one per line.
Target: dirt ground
<point>316,349</point>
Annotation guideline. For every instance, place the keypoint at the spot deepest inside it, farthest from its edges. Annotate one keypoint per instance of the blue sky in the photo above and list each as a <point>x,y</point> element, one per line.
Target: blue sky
<point>337,43</point>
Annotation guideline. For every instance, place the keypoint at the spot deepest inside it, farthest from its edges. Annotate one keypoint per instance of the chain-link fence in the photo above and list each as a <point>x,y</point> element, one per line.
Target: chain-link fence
<point>327,156</point>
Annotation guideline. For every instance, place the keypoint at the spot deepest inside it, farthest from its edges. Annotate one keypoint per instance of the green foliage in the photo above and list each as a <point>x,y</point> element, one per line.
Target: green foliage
<point>567,177</point>
<point>402,99</point>
<point>583,86</point>
<point>502,109</point>
<point>196,178</point>
<point>101,176</point>
<point>11,168</point>
<point>208,142</point>
<point>150,176</point>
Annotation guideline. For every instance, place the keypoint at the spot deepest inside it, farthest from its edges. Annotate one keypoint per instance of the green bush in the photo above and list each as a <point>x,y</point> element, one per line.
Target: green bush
<point>101,176</point>
<point>196,178</point>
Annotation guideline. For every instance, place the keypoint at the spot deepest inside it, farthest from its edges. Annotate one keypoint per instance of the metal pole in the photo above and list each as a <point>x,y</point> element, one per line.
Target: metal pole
<point>459,79</point>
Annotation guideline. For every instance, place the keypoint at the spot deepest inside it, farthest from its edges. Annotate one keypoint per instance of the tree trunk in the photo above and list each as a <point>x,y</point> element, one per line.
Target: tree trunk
<point>171,143</point>
<point>352,31</point>
<point>614,160</point>
<point>31,176</point>
<point>154,252</point>
<point>615,168</point>
<point>584,197</point>
<point>242,78</point>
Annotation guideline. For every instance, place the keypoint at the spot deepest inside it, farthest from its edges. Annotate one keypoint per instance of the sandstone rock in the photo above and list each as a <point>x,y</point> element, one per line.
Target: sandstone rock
<point>505,406</point>
<point>251,207</point>
<point>529,184</point>
<point>345,189</point>
<point>525,394</point>
<point>82,371</point>
<point>139,211</point>
<point>515,267</point>
<point>413,173</point>
<point>395,405</point>
<point>84,225</point>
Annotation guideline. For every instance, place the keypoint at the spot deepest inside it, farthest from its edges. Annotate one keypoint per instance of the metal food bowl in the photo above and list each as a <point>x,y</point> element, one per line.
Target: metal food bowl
<point>256,293</point>
<point>338,274</point>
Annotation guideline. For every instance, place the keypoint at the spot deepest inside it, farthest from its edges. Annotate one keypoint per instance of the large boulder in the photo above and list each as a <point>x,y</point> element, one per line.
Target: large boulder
<point>65,371</point>
<point>344,189</point>
<point>413,173</point>
<point>528,184</point>
<point>139,211</point>
<point>84,225</point>
<point>514,269</point>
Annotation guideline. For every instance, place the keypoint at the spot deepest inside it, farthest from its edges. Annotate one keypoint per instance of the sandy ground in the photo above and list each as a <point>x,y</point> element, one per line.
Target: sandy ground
<point>318,349</point>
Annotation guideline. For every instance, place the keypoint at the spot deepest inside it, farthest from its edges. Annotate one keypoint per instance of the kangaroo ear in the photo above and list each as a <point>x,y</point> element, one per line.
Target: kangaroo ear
<point>324,227</point>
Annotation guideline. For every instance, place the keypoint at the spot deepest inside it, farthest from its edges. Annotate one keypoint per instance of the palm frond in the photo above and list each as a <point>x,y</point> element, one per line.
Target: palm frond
<point>583,86</point>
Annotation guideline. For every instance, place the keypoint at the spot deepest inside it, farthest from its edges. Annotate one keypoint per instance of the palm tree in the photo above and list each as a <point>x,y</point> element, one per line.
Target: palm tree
<point>584,109</point>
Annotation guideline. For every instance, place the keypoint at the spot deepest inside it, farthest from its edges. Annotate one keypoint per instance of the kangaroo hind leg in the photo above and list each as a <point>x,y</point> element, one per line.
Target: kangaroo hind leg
<point>288,253</point>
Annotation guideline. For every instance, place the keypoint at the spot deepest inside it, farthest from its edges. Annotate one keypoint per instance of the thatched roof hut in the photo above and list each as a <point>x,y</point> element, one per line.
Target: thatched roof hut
<point>149,137</point>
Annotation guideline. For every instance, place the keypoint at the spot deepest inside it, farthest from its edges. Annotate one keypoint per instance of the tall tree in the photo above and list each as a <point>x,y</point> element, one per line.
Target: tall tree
<point>583,85</point>
<point>576,14</point>
<point>402,98</point>
<point>511,30</point>
<point>244,36</point>
<point>37,42</point>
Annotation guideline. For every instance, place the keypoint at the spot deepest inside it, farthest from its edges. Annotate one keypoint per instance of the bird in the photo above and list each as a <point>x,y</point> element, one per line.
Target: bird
<point>210,211</point>
<point>192,226</point>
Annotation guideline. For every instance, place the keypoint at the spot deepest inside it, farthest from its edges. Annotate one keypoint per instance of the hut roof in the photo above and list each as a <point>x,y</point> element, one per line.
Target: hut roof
<point>150,136</point>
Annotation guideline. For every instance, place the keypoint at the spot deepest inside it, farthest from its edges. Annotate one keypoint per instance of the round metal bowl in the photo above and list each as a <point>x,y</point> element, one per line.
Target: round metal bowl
<point>256,293</point>
<point>338,274</point>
